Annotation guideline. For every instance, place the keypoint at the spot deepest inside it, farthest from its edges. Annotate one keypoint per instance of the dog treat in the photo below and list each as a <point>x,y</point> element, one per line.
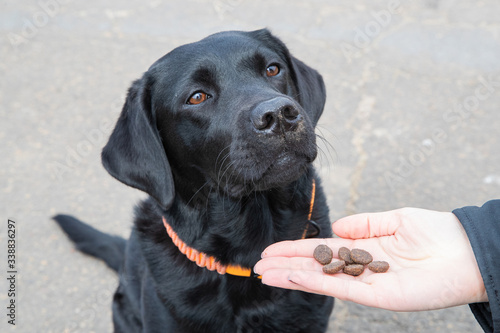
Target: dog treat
<point>361,256</point>
<point>323,254</point>
<point>378,266</point>
<point>345,254</point>
<point>350,262</point>
<point>354,269</point>
<point>334,267</point>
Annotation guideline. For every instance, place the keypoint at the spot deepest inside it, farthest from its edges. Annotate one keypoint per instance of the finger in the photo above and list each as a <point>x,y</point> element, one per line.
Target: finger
<point>279,278</point>
<point>367,225</point>
<point>303,247</point>
<point>293,263</point>
<point>290,265</point>
<point>342,287</point>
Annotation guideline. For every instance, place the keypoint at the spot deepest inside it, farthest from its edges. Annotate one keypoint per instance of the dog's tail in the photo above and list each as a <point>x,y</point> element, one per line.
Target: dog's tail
<point>109,248</point>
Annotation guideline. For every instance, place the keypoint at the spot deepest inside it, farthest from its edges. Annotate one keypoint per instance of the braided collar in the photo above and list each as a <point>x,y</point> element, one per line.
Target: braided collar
<point>211,263</point>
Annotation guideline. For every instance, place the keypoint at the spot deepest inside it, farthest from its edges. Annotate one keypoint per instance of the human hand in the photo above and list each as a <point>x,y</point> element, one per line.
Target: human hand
<point>432,264</point>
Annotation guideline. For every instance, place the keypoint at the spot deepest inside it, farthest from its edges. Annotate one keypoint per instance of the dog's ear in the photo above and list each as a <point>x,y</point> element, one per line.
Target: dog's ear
<point>134,153</point>
<point>309,85</point>
<point>310,89</point>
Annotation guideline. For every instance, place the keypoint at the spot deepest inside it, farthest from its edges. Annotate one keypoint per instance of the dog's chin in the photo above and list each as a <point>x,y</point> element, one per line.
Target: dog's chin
<point>282,172</point>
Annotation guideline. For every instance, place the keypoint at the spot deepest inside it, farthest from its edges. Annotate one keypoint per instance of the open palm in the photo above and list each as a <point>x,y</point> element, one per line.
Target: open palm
<point>432,264</point>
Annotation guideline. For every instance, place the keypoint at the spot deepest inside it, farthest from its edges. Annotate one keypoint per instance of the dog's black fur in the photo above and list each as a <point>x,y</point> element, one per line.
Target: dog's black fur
<point>231,175</point>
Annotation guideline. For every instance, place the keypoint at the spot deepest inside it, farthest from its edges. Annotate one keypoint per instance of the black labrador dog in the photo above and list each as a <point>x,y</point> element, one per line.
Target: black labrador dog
<point>220,134</point>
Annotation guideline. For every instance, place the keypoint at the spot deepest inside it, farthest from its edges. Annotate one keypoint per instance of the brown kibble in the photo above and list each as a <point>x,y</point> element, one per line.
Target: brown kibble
<point>345,254</point>
<point>334,267</point>
<point>351,262</point>
<point>361,256</point>
<point>354,270</point>
<point>323,254</point>
<point>378,266</point>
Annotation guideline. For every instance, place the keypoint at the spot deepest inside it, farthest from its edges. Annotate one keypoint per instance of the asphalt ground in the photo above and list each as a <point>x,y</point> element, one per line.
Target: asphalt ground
<point>412,119</point>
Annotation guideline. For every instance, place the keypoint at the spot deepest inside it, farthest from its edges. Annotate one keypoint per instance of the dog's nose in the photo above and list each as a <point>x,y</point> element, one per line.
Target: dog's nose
<point>275,115</point>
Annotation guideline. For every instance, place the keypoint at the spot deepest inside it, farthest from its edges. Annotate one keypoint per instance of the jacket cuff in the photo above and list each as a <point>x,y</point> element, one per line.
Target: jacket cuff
<point>482,225</point>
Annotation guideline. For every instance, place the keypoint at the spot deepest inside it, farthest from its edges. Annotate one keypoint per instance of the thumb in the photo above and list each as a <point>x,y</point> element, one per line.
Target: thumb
<point>367,225</point>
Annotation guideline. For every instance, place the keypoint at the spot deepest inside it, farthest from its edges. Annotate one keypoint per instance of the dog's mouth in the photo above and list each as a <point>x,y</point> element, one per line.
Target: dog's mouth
<point>264,174</point>
<point>286,168</point>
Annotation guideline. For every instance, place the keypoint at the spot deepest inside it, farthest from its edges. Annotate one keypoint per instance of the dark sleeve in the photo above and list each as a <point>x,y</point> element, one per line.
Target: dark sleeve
<point>482,225</point>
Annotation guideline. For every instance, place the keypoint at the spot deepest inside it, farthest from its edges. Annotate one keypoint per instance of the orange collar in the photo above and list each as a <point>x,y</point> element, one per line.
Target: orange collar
<point>203,260</point>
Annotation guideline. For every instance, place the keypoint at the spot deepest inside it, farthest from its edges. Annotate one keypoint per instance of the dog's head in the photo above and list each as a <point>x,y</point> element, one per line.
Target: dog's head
<point>234,112</point>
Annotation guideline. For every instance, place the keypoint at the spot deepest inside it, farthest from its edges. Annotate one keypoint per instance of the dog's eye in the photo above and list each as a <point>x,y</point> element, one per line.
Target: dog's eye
<point>198,97</point>
<point>272,70</point>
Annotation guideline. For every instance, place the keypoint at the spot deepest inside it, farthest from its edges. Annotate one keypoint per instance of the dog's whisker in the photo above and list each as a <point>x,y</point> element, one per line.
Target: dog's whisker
<point>221,177</point>
<point>323,139</point>
<point>330,150</point>
<point>218,156</point>
<point>198,191</point>
<point>208,197</point>
<point>221,166</point>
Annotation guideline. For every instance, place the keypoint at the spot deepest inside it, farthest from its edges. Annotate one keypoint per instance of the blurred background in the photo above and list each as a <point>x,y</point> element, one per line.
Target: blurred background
<point>412,119</point>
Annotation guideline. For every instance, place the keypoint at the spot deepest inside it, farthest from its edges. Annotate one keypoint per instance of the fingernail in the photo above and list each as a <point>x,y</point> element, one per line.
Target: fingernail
<point>294,278</point>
